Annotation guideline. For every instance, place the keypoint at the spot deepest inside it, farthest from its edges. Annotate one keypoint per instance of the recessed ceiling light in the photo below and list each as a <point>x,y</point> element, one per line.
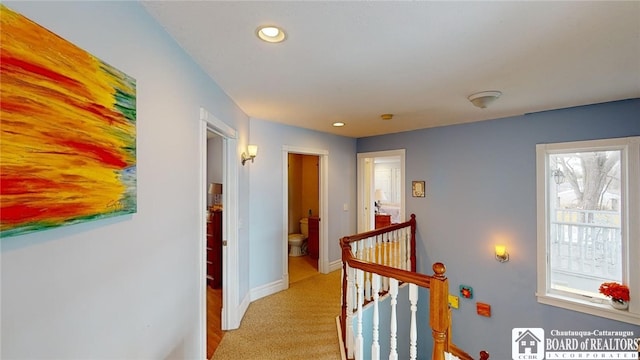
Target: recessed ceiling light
<point>270,33</point>
<point>386,116</point>
<point>338,124</point>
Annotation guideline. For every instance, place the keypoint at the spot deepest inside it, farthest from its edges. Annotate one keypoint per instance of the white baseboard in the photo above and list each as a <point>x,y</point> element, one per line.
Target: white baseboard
<point>268,289</point>
<point>335,265</point>
<point>244,306</point>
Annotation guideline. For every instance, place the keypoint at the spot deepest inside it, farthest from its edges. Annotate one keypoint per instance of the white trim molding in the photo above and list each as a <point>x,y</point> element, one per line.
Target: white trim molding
<point>629,229</point>
<point>323,251</point>
<point>232,309</point>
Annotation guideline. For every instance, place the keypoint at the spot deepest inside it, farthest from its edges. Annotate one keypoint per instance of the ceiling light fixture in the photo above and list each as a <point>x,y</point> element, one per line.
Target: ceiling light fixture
<point>338,124</point>
<point>270,33</point>
<point>386,116</point>
<point>484,98</point>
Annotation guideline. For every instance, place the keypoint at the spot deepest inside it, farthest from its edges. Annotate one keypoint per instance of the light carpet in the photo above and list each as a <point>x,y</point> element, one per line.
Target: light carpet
<point>299,323</point>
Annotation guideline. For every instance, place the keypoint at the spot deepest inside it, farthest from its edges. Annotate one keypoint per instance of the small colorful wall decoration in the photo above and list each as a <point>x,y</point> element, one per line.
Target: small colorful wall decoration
<point>466,291</point>
<point>67,132</point>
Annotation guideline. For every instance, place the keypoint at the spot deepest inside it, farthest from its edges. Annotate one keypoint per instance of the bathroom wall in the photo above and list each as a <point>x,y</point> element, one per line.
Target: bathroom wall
<point>295,189</point>
<point>310,185</point>
<point>303,189</point>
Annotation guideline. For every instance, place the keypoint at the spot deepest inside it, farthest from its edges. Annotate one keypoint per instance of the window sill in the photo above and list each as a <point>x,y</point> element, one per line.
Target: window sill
<point>587,307</point>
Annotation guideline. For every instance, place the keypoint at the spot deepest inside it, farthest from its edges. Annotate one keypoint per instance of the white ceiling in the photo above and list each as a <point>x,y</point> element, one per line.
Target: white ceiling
<point>352,61</point>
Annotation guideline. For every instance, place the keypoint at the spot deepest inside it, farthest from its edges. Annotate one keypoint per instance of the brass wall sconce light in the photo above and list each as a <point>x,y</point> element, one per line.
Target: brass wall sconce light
<point>252,151</point>
<point>501,253</point>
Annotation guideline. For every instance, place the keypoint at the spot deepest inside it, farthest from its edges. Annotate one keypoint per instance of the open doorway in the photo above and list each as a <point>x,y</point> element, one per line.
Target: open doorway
<point>303,215</point>
<point>381,189</point>
<point>231,310</point>
<point>214,230</point>
<point>316,163</point>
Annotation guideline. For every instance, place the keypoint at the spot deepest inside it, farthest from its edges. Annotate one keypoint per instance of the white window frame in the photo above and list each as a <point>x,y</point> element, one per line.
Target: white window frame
<point>630,199</point>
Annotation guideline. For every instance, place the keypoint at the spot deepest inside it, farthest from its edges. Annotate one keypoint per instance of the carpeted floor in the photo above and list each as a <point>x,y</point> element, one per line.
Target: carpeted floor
<point>299,323</point>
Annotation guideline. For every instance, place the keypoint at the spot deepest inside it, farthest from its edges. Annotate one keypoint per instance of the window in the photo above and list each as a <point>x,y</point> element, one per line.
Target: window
<point>588,196</point>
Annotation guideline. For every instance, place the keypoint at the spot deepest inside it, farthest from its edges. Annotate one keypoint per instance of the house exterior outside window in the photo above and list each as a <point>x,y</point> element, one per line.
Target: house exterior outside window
<point>588,200</point>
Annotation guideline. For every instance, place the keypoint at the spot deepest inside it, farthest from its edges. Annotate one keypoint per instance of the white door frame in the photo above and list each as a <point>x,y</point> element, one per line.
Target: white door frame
<point>365,186</point>
<point>323,243</point>
<point>231,313</point>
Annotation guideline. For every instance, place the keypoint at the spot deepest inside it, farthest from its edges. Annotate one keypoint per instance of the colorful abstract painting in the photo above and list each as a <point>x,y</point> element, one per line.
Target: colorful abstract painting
<point>67,132</point>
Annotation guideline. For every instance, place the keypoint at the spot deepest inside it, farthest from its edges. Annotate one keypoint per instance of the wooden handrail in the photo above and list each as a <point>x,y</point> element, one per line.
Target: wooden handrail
<point>347,240</point>
<point>402,275</point>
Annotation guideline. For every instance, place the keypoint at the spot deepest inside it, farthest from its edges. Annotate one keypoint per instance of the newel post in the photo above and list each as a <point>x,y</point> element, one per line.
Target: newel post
<point>439,309</point>
<point>412,256</point>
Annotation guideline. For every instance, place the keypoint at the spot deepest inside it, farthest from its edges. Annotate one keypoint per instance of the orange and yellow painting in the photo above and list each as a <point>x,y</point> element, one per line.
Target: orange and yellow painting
<point>67,132</point>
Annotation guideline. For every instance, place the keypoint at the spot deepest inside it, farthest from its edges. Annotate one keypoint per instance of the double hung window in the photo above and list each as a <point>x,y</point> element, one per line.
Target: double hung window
<point>588,196</point>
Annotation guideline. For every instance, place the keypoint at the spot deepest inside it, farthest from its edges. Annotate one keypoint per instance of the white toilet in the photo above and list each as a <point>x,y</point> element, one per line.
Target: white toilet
<point>297,240</point>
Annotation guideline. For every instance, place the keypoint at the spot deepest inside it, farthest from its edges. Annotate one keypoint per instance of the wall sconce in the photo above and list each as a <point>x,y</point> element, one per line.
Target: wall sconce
<point>252,150</point>
<point>501,253</point>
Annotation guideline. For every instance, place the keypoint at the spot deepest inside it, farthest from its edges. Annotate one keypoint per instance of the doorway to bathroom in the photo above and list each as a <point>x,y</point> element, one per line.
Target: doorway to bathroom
<point>303,215</point>
<point>305,250</point>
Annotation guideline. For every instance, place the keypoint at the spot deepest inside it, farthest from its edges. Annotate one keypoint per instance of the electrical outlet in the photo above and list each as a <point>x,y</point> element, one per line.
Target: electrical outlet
<point>454,301</point>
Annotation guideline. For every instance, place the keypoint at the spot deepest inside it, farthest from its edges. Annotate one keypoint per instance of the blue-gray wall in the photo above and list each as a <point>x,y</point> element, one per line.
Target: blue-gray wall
<point>267,207</point>
<point>481,189</point>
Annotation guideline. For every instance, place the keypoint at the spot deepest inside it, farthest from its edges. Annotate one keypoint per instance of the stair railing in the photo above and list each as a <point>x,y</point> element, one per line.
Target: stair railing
<point>375,263</point>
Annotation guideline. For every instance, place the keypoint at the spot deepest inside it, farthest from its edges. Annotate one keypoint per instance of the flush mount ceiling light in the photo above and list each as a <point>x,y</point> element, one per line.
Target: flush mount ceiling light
<point>386,116</point>
<point>484,98</point>
<point>338,124</point>
<point>270,33</point>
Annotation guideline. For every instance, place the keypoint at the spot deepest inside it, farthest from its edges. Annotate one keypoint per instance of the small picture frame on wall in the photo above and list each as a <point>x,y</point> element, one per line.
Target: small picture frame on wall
<point>417,188</point>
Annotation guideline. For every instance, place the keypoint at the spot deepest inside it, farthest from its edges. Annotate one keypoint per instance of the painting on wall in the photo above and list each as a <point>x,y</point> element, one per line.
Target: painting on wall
<point>67,132</point>
<point>417,188</point>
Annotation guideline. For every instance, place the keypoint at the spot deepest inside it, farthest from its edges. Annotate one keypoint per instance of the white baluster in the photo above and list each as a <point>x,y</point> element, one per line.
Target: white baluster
<point>384,260</point>
<point>359,339</point>
<point>394,251</point>
<point>413,332</point>
<point>375,346</point>
<point>393,290</point>
<point>350,305</point>
<point>390,246</point>
<point>367,275</point>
